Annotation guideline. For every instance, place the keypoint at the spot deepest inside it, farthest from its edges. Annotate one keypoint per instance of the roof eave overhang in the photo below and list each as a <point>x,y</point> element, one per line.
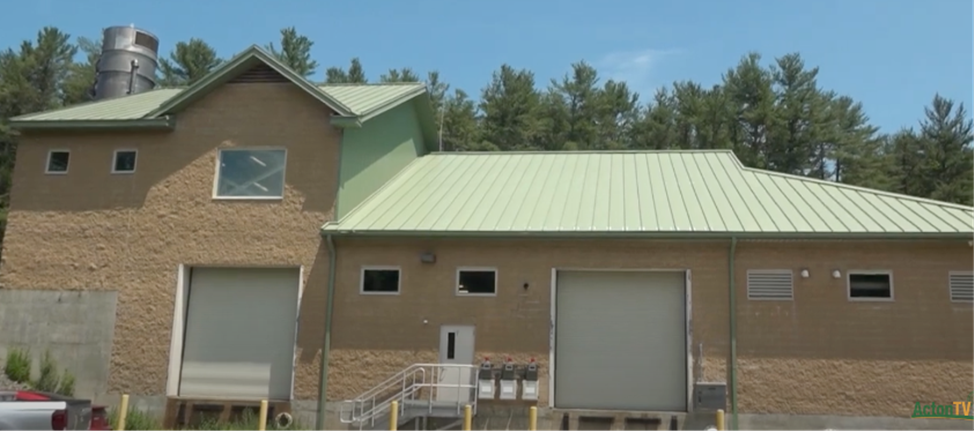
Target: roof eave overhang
<point>424,114</point>
<point>331,231</point>
<point>346,121</point>
<point>163,123</point>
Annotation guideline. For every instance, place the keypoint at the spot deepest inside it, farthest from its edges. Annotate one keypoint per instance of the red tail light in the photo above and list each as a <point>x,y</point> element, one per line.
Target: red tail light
<point>59,420</point>
<point>99,419</point>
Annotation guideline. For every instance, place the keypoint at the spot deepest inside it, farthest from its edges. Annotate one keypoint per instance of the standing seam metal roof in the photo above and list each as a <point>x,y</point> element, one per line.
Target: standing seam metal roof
<point>633,192</point>
<point>362,99</point>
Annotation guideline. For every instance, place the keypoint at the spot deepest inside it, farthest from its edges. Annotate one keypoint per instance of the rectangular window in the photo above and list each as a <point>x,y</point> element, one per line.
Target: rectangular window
<point>473,281</point>
<point>57,162</point>
<point>380,281</point>
<point>870,286</point>
<point>451,345</point>
<point>250,173</point>
<point>123,161</point>
<point>770,285</point>
<point>960,286</point>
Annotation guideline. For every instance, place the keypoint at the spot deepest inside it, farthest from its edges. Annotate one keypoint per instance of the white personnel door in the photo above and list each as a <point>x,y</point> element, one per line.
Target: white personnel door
<point>456,347</point>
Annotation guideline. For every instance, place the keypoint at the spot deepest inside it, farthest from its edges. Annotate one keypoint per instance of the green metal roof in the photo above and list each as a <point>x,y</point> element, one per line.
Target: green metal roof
<point>124,108</point>
<point>629,193</point>
<point>363,100</point>
<point>367,100</point>
<point>353,103</point>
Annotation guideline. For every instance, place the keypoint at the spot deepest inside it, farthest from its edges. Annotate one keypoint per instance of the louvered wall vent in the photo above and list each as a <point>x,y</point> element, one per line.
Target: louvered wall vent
<point>770,285</point>
<point>960,285</point>
<point>260,74</point>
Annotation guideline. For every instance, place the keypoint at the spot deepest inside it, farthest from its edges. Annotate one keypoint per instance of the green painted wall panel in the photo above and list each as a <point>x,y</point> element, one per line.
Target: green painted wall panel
<point>373,154</point>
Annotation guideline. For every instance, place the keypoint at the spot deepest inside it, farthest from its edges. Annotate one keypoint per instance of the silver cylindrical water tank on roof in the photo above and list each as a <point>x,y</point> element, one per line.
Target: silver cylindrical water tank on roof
<point>128,62</point>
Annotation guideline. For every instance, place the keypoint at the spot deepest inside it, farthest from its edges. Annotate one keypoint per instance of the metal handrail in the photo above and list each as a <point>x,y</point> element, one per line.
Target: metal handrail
<point>367,408</point>
<point>383,407</point>
<point>389,381</point>
<point>370,396</point>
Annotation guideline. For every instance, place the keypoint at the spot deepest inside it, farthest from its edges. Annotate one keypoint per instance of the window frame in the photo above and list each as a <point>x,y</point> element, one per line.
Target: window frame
<point>115,160</point>
<point>951,274</point>
<point>47,162</point>
<point>792,284</point>
<point>362,280</point>
<point>890,277</point>
<point>460,269</point>
<point>217,172</point>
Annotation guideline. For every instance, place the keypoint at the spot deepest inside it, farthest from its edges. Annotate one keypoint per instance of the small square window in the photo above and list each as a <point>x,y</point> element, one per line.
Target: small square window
<point>250,173</point>
<point>124,161</point>
<point>477,282</point>
<point>380,281</point>
<point>57,162</point>
<point>870,286</point>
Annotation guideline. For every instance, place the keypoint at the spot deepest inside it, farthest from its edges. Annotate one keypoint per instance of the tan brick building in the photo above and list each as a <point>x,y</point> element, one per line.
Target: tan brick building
<point>629,276</point>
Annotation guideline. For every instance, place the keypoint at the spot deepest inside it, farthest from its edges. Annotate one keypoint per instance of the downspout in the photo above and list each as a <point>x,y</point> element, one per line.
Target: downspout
<point>327,342</point>
<point>732,325</point>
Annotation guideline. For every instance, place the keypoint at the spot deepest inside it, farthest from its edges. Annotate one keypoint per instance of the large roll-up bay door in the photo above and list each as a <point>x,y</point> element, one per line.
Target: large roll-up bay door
<point>621,341</point>
<point>240,333</point>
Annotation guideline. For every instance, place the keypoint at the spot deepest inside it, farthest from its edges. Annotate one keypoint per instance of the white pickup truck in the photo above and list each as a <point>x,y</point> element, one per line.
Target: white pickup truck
<point>20,410</point>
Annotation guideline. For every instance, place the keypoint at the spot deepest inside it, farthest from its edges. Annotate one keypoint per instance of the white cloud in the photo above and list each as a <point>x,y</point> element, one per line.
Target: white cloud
<point>636,68</point>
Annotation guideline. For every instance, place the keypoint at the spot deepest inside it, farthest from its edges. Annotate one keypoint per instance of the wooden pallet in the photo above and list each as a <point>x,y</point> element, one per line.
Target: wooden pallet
<point>182,413</point>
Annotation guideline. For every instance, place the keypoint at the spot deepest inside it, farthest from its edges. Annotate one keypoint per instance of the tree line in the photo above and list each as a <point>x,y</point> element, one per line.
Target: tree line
<point>773,114</point>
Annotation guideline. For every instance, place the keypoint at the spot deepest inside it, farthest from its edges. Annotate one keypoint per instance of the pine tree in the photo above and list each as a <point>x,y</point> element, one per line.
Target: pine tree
<point>510,105</point>
<point>295,52</point>
<point>338,75</point>
<point>188,62</point>
<point>946,139</point>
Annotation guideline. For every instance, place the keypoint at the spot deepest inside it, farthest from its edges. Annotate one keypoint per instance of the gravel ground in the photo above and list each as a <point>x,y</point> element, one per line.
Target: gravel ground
<point>9,385</point>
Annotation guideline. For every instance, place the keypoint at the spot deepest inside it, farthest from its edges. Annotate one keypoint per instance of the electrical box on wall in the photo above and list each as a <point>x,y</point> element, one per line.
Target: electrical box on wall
<point>710,396</point>
<point>529,385</point>
<point>508,382</point>
<point>485,381</point>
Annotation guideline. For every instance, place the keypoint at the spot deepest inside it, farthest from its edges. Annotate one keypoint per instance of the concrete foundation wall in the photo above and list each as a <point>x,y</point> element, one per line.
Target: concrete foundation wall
<point>75,326</point>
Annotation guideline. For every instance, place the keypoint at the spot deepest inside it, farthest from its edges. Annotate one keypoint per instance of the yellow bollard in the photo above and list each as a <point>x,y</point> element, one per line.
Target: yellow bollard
<point>719,419</point>
<point>262,421</point>
<point>467,417</point>
<point>393,414</point>
<point>533,418</point>
<point>122,411</point>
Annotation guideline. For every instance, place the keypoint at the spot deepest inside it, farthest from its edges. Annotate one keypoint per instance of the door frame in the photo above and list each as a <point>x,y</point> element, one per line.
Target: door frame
<point>688,330</point>
<point>441,357</point>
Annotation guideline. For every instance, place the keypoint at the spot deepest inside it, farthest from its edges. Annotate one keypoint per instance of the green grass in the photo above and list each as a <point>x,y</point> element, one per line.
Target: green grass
<point>138,420</point>
<point>17,365</point>
<point>135,420</point>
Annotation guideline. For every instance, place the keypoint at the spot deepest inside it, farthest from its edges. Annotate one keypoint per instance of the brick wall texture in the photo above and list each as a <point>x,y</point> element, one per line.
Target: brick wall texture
<point>91,230</point>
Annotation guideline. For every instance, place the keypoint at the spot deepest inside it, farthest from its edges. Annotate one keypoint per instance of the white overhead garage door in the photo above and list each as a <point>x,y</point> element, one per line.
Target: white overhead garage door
<point>240,333</point>
<point>620,341</point>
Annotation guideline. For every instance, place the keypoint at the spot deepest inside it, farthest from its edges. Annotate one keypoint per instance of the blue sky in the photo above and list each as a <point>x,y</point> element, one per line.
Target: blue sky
<point>892,55</point>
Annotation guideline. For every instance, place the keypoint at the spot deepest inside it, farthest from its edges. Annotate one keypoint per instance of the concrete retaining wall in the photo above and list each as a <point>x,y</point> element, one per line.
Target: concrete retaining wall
<point>75,326</point>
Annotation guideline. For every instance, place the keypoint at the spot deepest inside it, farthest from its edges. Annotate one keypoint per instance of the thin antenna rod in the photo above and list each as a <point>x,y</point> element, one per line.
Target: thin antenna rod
<point>440,132</point>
